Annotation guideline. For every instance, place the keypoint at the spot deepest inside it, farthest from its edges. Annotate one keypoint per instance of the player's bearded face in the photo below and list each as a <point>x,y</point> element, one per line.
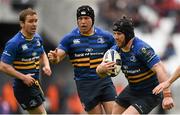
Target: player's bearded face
<point>30,24</point>
<point>120,38</point>
<point>85,24</point>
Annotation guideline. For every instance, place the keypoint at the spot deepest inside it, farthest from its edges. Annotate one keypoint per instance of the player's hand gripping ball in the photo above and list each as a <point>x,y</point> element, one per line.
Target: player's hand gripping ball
<point>113,55</point>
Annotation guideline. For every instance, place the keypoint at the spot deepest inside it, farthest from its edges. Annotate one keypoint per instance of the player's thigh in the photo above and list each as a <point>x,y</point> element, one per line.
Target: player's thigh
<point>117,109</point>
<point>87,94</point>
<point>93,93</point>
<point>38,110</point>
<point>131,110</point>
<point>29,98</point>
<point>96,110</point>
<point>108,106</point>
<point>147,103</point>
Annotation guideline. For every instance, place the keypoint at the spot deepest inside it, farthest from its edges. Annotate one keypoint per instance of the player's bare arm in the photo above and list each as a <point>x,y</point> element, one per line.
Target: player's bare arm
<point>55,56</point>
<point>8,69</point>
<point>160,70</point>
<point>162,76</point>
<point>162,86</point>
<point>175,76</point>
<point>103,68</point>
<point>167,84</point>
<point>46,67</point>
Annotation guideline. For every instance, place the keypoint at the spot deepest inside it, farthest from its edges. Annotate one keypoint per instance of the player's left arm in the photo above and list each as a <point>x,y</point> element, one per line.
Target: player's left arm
<point>45,62</point>
<point>162,76</point>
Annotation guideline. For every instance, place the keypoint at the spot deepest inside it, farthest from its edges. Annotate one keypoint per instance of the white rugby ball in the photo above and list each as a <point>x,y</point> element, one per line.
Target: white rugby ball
<point>113,55</point>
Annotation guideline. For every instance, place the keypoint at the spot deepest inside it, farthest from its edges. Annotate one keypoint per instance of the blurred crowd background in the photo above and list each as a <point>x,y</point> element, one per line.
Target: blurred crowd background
<point>156,21</point>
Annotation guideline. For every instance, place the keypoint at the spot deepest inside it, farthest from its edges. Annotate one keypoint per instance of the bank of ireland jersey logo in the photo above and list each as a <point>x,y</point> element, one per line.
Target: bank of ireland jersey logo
<point>24,47</point>
<point>76,41</point>
<point>100,40</point>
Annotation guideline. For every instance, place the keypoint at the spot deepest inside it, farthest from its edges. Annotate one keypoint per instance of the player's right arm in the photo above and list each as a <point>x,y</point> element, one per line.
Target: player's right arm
<point>166,84</point>
<point>55,56</point>
<point>8,69</point>
<point>8,56</point>
<point>105,67</point>
<point>162,76</point>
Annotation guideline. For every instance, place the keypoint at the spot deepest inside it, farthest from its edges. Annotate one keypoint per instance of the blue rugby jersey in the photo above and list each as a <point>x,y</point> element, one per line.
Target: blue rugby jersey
<point>86,52</point>
<point>137,64</point>
<point>24,55</point>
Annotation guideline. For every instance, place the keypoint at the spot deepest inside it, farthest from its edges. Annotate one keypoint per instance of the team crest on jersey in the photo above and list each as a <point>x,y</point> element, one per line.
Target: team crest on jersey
<point>38,43</point>
<point>89,49</point>
<point>133,58</point>
<point>100,40</point>
<point>76,41</point>
<point>24,47</point>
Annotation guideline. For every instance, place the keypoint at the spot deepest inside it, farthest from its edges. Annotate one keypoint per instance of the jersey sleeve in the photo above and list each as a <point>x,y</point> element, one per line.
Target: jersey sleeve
<point>115,47</point>
<point>42,46</point>
<point>148,56</point>
<point>40,42</point>
<point>111,40</point>
<point>64,44</point>
<point>9,53</point>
